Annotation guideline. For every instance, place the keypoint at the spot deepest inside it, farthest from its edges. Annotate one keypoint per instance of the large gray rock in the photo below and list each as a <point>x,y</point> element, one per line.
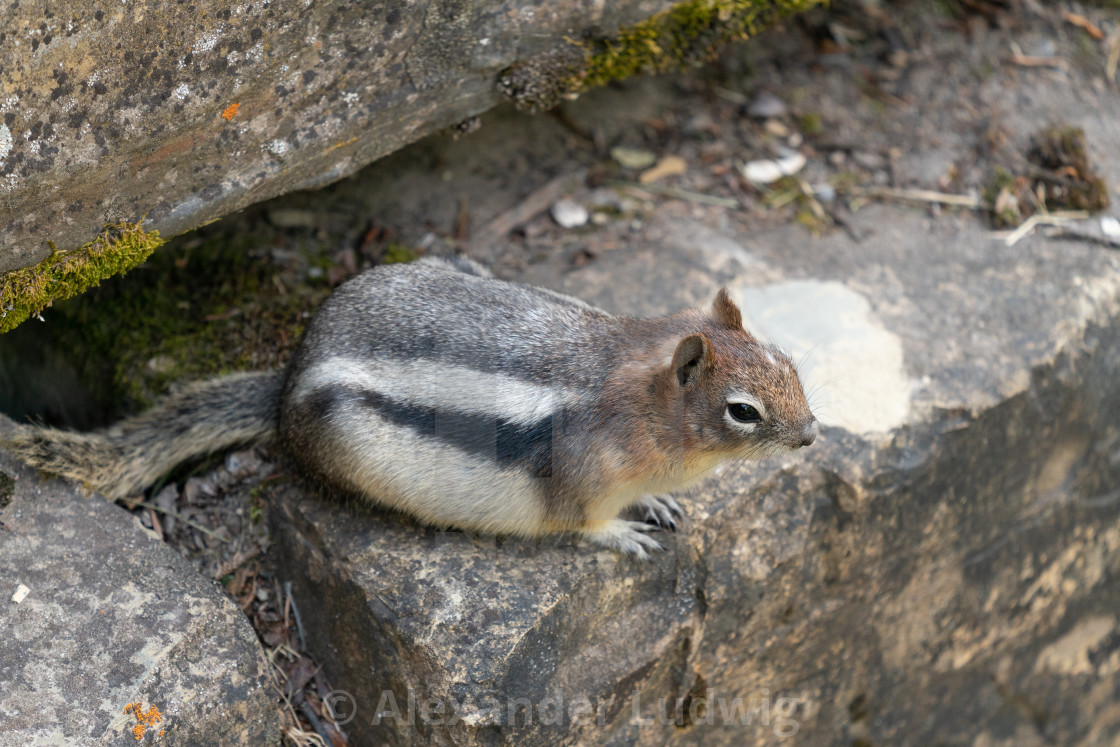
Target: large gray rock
<point>114,617</point>
<point>942,565</point>
<point>185,111</point>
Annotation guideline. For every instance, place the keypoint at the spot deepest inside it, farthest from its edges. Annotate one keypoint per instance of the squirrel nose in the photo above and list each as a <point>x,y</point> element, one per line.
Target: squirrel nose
<point>809,432</point>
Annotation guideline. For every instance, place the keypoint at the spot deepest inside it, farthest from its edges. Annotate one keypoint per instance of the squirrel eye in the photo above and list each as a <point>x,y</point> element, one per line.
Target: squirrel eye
<point>744,413</point>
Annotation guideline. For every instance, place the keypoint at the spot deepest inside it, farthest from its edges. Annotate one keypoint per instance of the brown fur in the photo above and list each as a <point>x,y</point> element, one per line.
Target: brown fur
<point>670,420</point>
<point>130,455</point>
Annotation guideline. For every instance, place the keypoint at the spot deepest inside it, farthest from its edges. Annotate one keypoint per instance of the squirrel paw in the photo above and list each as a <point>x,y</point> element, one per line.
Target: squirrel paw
<point>660,511</point>
<point>626,537</point>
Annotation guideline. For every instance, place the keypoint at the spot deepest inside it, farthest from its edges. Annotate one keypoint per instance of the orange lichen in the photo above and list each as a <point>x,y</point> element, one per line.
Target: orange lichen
<point>231,111</point>
<point>144,719</point>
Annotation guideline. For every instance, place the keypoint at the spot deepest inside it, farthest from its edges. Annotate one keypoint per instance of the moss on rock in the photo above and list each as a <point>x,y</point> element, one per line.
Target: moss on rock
<point>686,34</point>
<point>118,248</point>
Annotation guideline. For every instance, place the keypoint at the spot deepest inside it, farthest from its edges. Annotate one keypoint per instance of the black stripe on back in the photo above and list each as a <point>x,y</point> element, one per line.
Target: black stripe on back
<point>505,442</point>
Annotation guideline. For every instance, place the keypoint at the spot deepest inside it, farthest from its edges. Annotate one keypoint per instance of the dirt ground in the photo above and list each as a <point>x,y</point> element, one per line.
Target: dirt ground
<point>932,107</point>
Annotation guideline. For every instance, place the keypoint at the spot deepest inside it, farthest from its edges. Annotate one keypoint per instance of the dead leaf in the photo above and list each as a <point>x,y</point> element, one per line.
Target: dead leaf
<point>667,166</point>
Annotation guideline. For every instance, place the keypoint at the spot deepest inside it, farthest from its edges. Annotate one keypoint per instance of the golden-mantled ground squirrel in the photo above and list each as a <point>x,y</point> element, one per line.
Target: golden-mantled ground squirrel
<point>474,403</point>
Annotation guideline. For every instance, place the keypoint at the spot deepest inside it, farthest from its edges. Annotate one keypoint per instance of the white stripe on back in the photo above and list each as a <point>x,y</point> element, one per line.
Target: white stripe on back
<point>443,386</point>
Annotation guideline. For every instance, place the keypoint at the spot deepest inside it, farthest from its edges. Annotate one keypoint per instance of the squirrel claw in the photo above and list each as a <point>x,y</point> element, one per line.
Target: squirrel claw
<point>660,511</point>
<point>627,537</point>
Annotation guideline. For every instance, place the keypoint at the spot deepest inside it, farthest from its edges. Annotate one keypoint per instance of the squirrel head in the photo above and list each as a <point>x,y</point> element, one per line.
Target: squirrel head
<point>736,395</point>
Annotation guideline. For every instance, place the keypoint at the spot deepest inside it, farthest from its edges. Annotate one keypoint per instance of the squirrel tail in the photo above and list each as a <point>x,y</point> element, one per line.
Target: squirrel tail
<point>132,454</point>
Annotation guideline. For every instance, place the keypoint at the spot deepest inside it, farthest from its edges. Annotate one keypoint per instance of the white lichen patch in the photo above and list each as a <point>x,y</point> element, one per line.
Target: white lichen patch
<point>277,148</point>
<point>5,141</point>
<point>182,91</point>
<point>850,365</point>
<point>206,42</point>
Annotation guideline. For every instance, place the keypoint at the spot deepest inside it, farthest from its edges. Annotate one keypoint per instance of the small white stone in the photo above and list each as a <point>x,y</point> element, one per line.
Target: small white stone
<point>1110,227</point>
<point>569,214</point>
<point>766,106</point>
<point>21,593</point>
<point>770,170</point>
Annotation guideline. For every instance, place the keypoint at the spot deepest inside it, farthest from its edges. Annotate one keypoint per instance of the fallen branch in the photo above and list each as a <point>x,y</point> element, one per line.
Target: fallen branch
<point>1082,22</point>
<point>1113,56</point>
<point>921,195</point>
<point>235,562</point>
<point>1039,219</point>
<point>1027,60</point>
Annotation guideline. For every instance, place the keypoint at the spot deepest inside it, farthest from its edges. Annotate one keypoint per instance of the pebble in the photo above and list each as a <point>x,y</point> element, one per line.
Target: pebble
<point>868,160</point>
<point>1043,48</point>
<point>824,192</point>
<point>569,214</point>
<point>769,170</point>
<point>766,105</point>
<point>632,158</point>
<point>1110,227</point>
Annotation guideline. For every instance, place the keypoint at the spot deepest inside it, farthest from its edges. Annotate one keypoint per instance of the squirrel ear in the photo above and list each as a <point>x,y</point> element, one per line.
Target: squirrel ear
<point>725,311</point>
<point>692,358</point>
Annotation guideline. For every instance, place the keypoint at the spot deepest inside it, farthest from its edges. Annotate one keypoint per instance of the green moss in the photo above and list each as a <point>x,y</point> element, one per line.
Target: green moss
<point>1005,212</point>
<point>810,123</point>
<point>117,249</point>
<point>396,252</point>
<point>683,35</point>
<point>210,302</point>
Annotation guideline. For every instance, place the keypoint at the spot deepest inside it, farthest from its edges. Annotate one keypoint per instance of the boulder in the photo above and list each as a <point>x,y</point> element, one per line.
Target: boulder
<point>941,565</point>
<point>176,113</point>
<point>111,624</point>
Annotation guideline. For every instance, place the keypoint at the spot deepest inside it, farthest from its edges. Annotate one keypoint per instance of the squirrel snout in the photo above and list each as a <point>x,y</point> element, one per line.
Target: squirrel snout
<point>809,432</point>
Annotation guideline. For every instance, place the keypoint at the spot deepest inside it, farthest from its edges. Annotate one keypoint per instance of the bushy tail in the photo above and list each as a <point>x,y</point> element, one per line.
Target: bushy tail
<point>132,454</point>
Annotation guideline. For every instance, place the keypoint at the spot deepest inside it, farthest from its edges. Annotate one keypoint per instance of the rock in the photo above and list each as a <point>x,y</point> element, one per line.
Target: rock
<point>766,105</point>
<point>770,170</point>
<point>569,214</point>
<point>1110,227</point>
<point>869,161</point>
<point>112,616</point>
<point>633,158</point>
<point>182,115</point>
<point>942,565</point>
